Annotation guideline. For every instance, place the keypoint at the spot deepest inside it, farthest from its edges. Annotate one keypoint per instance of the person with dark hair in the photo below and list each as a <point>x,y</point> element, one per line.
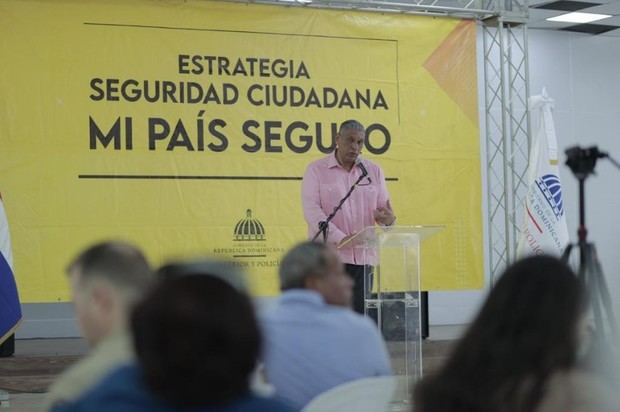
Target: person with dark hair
<point>197,342</point>
<point>106,281</point>
<point>325,183</point>
<point>521,352</point>
<point>313,340</point>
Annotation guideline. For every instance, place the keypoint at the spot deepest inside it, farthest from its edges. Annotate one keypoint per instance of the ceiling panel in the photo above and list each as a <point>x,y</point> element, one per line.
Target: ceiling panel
<point>538,16</point>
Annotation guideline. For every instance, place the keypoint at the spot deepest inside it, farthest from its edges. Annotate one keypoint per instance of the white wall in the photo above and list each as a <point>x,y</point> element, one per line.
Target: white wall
<point>581,72</point>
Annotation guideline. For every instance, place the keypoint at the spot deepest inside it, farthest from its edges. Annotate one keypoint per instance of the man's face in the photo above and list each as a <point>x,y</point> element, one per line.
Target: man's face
<point>87,309</point>
<point>336,286</point>
<point>350,143</point>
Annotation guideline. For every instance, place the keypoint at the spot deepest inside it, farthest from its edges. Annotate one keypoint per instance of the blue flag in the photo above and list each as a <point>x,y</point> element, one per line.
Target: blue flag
<point>10,309</point>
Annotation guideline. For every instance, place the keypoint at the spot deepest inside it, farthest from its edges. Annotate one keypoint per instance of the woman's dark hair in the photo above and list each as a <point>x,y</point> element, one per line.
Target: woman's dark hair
<point>525,332</point>
<point>196,339</point>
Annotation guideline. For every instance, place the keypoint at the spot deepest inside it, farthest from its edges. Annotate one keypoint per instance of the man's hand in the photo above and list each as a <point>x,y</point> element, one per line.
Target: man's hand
<point>384,216</point>
<point>345,240</point>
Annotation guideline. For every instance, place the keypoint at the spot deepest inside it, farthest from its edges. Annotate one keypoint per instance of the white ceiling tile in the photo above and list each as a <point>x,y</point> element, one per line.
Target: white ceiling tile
<point>544,24</point>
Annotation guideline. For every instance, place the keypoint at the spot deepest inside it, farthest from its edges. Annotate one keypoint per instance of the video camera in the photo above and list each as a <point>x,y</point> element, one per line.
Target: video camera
<point>583,160</point>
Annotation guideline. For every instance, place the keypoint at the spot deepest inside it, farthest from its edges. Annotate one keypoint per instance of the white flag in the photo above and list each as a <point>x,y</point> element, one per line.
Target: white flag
<point>544,229</point>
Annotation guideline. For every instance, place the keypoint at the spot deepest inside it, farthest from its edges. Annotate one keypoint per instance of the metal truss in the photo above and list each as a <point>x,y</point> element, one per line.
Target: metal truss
<point>471,9</point>
<point>507,125</point>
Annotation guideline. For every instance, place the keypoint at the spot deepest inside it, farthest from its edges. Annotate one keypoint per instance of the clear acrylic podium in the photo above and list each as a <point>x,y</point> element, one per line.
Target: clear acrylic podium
<point>392,294</point>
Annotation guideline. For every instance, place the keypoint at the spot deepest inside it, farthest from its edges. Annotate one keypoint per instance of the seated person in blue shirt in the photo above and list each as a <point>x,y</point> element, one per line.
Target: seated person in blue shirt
<point>197,342</point>
<point>313,340</point>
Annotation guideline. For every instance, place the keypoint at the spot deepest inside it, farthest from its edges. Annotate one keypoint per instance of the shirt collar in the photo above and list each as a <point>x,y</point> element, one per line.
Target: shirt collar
<point>332,161</point>
<point>302,295</point>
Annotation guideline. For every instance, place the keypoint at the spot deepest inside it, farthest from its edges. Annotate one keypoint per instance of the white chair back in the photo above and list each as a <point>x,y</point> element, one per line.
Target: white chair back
<point>362,395</point>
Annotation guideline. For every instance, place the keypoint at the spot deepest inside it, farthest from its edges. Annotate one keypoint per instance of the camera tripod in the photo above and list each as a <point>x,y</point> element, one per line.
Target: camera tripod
<point>582,162</point>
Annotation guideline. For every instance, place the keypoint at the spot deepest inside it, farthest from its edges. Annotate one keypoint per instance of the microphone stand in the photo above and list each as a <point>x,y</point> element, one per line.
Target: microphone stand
<point>324,224</point>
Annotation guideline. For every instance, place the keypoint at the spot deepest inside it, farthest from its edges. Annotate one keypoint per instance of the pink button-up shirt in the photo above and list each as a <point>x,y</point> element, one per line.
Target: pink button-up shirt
<point>325,183</point>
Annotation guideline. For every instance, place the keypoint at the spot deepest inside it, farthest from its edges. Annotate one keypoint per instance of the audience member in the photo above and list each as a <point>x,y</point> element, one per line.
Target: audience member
<point>106,280</point>
<point>197,342</point>
<point>314,341</point>
<point>521,352</point>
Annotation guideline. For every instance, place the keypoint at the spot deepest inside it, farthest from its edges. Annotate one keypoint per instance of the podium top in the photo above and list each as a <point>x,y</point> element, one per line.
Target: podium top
<point>374,236</point>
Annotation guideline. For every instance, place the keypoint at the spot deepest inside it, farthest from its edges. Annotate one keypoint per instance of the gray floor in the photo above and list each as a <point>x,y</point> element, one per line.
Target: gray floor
<point>23,402</point>
<point>50,347</point>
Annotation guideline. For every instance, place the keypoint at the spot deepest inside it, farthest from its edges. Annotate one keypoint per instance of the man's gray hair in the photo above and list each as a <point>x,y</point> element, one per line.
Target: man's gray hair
<point>120,264</point>
<point>303,260</point>
<point>351,125</point>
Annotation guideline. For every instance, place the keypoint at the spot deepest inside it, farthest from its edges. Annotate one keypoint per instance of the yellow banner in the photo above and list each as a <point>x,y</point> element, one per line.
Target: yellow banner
<point>185,127</point>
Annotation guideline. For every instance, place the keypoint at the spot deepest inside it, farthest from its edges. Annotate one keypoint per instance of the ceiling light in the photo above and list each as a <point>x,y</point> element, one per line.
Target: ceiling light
<point>577,17</point>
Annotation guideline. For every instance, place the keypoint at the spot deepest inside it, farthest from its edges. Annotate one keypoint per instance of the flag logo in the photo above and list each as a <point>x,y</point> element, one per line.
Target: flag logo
<point>551,189</point>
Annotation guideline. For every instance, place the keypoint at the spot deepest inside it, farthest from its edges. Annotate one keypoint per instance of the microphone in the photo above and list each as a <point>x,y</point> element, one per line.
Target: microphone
<point>360,164</point>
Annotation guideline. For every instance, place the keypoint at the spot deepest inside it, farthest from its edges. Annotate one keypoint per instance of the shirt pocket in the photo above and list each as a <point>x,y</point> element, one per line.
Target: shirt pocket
<point>330,195</point>
<point>367,196</point>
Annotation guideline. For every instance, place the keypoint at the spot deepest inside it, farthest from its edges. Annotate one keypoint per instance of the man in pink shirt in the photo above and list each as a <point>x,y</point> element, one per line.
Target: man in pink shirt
<point>327,181</point>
